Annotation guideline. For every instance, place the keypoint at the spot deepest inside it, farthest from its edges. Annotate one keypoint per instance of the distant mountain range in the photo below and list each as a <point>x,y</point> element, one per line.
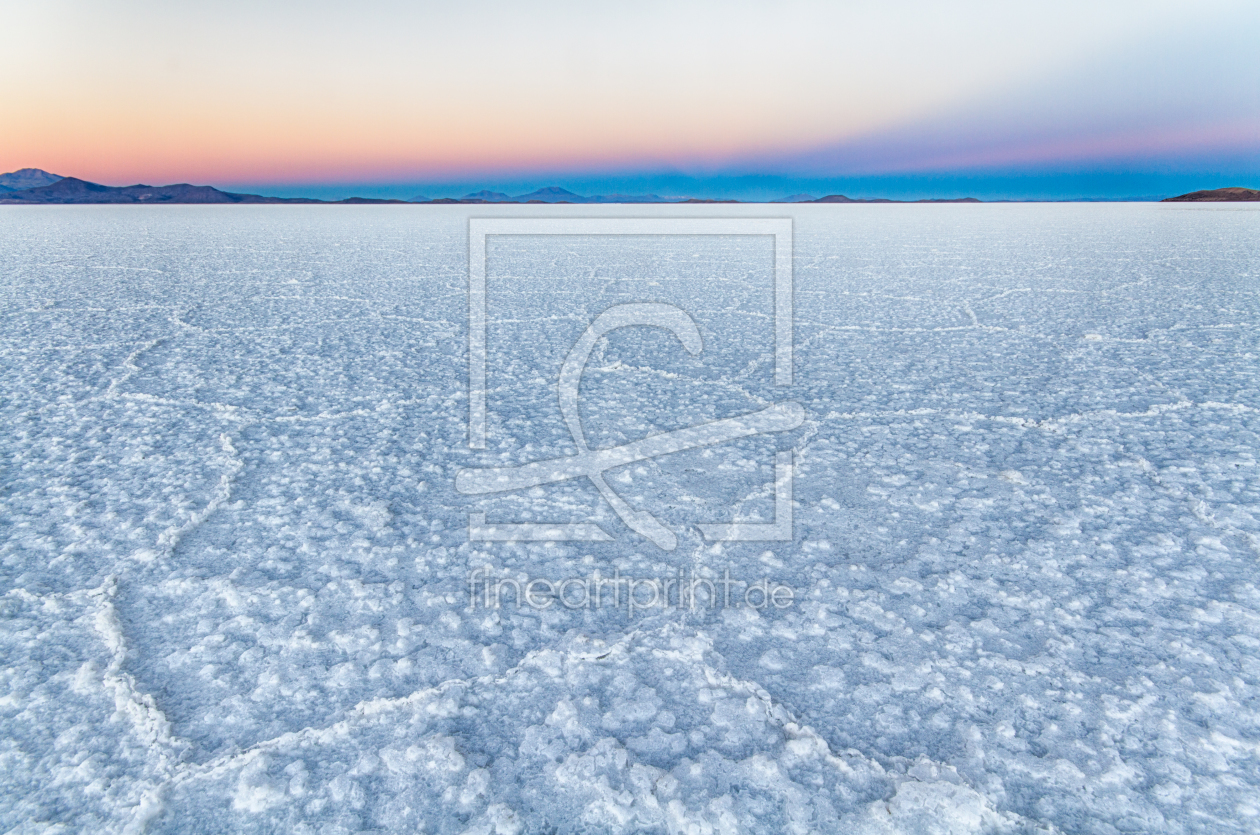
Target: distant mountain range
<point>555,194</point>
<point>34,186</point>
<point>72,190</point>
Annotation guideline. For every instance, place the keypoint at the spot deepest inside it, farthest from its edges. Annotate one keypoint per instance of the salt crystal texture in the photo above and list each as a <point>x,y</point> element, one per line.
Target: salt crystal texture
<point>1026,521</point>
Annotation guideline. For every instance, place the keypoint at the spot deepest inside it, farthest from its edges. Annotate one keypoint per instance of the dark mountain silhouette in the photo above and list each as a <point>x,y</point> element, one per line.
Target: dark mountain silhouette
<point>551,194</point>
<point>1233,194</point>
<point>71,190</point>
<point>74,190</point>
<point>51,189</point>
<point>25,178</point>
<point>349,201</point>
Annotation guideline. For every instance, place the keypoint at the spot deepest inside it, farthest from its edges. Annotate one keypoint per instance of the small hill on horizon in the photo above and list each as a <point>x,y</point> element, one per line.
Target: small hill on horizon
<point>25,178</point>
<point>551,194</point>
<point>1231,194</point>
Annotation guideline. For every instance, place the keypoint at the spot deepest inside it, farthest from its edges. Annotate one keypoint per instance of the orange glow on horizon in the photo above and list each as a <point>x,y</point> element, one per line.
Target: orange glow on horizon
<point>236,92</point>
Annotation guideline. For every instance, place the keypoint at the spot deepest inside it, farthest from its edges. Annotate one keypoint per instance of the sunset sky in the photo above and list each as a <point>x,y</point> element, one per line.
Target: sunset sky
<point>899,97</point>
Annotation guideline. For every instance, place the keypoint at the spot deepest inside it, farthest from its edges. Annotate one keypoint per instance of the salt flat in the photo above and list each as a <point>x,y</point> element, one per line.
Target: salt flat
<point>236,567</point>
